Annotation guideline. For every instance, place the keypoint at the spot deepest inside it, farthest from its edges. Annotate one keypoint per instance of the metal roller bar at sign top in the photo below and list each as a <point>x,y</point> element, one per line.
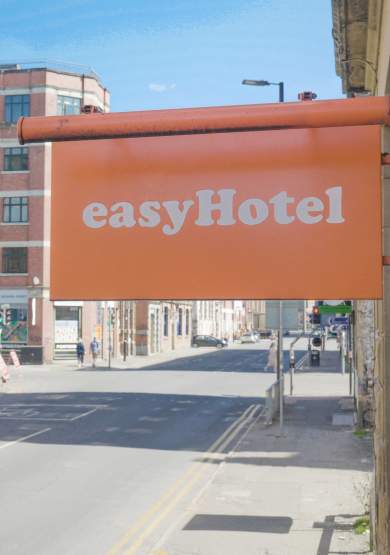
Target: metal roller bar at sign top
<point>357,111</point>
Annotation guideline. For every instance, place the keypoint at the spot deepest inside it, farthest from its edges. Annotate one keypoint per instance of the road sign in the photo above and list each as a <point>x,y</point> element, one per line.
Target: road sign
<point>339,321</point>
<point>339,309</point>
<point>219,216</point>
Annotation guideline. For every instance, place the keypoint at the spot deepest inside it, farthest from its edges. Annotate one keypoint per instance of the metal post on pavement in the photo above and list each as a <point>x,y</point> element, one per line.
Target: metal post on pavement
<point>2,323</point>
<point>109,337</point>
<point>343,349</point>
<point>350,372</point>
<point>280,84</point>
<point>280,368</point>
<point>292,369</point>
<point>342,362</point>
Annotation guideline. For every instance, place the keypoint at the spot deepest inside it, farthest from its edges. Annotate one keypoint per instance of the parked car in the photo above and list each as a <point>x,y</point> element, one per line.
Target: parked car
<point>265,334</point>
<point>208,341</point>
<point>248,338</point>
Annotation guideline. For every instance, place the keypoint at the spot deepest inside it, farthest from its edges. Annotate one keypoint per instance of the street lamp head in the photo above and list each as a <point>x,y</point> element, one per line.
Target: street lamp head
<point>263,83</point>
<point>255,82</point>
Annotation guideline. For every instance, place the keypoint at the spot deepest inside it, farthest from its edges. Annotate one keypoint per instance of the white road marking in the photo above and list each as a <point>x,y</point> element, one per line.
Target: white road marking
<point>82,415</point>
<point>28,413</point>
<point>36,418</point>
<point>24,438</point>
<point>54,405</point>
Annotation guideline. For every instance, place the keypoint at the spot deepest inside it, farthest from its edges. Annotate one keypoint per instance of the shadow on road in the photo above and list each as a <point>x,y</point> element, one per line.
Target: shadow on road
<point>240,523</point>
<point>230,360</point>
<point>131,420</point>
<point>180,422</point>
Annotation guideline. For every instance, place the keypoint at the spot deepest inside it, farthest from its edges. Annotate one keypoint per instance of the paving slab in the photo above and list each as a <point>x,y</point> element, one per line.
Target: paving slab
<point>298,493</point>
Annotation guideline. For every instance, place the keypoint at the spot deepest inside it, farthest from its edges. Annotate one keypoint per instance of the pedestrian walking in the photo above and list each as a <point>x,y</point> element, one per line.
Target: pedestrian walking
<point>271,362</point>
<point>94,351</point>
<point>80,351</point>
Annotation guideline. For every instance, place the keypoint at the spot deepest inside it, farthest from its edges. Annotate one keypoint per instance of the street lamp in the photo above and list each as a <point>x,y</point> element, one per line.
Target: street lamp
<point>280,84</point>
<point>263,83</point>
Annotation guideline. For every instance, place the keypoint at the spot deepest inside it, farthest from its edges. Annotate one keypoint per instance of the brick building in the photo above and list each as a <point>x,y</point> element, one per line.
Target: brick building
<point>361,33</point>
<point>218,318</point>
<point>162,326</point>
<point>36,326</point>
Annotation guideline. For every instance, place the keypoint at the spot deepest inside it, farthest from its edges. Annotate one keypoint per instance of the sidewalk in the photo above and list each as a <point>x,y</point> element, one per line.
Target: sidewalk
<point>140,361</point>
<point>298,494</point>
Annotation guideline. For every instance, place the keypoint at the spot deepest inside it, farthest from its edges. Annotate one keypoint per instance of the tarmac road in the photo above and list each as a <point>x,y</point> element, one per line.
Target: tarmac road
<point>101,461</point>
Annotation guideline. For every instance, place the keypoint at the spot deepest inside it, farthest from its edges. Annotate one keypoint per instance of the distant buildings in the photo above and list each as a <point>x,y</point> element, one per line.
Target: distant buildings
<point>222,319</point>
<point>162,326</point>
<point>43,330</point>
<point>255,314</point>
<point>39,328</point>
<point>293,314</point>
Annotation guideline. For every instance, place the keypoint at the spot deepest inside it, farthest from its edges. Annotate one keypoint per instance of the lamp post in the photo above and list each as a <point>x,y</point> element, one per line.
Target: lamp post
<point>280,84</point>
<point>263,83</point>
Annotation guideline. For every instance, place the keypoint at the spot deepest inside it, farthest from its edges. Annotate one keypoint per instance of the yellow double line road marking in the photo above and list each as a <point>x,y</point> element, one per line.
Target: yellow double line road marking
<point>164,505</point>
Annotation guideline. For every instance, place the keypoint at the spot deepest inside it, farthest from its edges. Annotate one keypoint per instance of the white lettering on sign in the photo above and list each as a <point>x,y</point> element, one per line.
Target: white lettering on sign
<point>217,208</point>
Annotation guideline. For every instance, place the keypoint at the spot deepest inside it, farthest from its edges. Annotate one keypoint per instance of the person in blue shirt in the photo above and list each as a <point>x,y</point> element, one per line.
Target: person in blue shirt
<point>80,351</point>
<point>94,350</point>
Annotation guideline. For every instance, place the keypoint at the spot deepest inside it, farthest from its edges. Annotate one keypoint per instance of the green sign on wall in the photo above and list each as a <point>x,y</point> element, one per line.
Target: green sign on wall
<point>338,309</point>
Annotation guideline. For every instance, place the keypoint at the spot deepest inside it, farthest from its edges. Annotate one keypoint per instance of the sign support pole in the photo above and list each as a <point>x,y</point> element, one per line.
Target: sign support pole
<point>280,368</point>
<point>109,337</point>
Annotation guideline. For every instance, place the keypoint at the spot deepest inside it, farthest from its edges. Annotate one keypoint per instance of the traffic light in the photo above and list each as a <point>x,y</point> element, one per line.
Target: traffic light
<point>316,316</point>
<point>113,316</point>
<point>8,316</point>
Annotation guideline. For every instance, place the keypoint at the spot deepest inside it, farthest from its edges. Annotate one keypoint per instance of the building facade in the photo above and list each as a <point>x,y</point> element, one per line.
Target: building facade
<point>37,327</point>
<point>222,319</point>
<point>256,314</point>
<point>293,314</point>
<point>361,32</point>
<point>162,326</point>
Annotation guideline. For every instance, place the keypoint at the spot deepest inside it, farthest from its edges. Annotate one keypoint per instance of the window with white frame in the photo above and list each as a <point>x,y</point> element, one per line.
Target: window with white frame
<point>68,105</point>
<point>16,159</point>
<point>14,260</point>
<point>16,106</point>
<point>15,210</point>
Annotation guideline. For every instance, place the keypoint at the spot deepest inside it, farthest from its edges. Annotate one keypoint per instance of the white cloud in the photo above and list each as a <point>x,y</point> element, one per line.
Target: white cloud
<point>161,87</point>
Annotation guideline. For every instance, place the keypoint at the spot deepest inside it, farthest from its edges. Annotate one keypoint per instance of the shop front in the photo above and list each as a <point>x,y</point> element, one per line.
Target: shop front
<point>13,326</point>
<point>67,328</point>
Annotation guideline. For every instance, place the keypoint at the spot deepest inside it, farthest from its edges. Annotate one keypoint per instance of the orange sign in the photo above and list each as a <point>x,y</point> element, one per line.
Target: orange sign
<point>287,214</point>
<point>98,332</point>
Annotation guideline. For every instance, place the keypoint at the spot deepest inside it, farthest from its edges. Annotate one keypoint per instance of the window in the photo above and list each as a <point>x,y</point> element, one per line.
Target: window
<point>16,105</point>
<point>180,322</point>
<point>15,260</point>
<point>187,321</point>
<point>16,159</point>
<point>14,330</point>
<point>15,210</point>
<point>166,321</point>
<point>68,105</point>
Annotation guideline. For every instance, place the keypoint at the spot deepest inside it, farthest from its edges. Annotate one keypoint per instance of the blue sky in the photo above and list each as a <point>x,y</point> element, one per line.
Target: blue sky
<point>155,54</point>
